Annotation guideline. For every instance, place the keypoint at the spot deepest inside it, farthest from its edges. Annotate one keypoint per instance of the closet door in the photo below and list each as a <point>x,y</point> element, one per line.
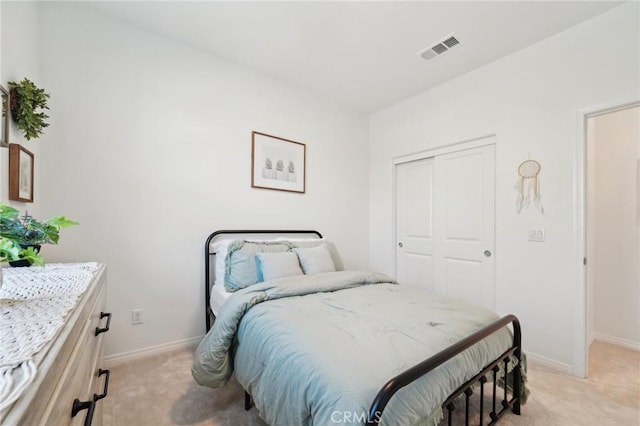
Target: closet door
<point>445,224</point>
<point>414,228</point>
<point>464,225</point>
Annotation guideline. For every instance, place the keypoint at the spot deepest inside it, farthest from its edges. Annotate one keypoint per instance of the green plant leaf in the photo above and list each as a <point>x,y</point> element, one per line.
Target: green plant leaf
<point>61,221</point>
<point>32,256</point>
<point>9,250</point>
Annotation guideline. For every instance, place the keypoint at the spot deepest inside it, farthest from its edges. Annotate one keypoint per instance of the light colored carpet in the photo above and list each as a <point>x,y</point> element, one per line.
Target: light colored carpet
<point>159,390</point>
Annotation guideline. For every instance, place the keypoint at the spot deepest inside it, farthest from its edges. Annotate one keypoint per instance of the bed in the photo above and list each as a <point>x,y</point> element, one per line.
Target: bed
<point>312,343</point>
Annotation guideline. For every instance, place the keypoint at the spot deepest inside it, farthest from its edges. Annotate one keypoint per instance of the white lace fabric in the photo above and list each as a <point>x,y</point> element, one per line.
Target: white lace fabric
<point>34,303</point>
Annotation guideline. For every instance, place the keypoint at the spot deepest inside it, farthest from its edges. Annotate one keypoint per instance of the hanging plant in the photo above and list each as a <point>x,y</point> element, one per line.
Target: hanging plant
<point>27,103</point>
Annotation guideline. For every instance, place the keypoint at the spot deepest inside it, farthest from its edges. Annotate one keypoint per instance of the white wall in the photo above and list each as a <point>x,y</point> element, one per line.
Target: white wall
<point>150,150</point>
<point>20,59</point>
<point>614,139</point>
<point>530,101</point>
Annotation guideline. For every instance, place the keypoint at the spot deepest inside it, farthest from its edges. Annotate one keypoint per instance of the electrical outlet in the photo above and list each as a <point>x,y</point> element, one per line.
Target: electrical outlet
<point>136,316</point>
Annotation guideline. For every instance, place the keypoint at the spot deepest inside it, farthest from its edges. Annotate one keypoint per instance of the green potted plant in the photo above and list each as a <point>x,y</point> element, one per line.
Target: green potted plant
<point>22,236</point>
<point>27,103</point>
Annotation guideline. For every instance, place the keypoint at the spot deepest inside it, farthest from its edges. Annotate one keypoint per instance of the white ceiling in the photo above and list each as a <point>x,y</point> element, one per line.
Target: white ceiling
<point>361,54</point>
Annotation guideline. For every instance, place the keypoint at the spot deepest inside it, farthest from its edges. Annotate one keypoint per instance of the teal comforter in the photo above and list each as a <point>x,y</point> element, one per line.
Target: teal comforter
<point>315,350</point>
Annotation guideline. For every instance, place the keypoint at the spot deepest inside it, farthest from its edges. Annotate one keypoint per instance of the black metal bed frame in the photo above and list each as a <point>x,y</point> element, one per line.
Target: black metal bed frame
<point>414,373</point>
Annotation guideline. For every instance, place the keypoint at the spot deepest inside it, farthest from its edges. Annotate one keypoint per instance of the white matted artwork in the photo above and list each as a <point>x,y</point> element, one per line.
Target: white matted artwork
<point>277,163</point>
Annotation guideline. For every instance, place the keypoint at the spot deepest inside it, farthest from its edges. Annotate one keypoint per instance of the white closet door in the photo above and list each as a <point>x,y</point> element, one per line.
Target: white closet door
<point>445,224</point>
<point>414,251</point>
<point>464,225</point>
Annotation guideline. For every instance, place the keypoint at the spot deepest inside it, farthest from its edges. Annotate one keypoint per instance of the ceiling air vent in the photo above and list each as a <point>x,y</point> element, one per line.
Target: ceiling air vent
<point>443,46</point>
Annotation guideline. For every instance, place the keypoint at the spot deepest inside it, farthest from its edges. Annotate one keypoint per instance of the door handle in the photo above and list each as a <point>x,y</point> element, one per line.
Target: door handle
<point>400,245</point>
<point>487,253</point>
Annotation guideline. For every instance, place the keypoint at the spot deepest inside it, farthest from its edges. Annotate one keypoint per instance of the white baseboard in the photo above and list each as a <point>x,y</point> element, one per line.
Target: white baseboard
<point>115,359</point>
<point>550,363</point>
<point>629,344</point>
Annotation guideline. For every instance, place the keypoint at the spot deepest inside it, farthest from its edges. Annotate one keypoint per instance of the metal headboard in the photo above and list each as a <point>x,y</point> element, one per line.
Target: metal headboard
<point>208,253</point>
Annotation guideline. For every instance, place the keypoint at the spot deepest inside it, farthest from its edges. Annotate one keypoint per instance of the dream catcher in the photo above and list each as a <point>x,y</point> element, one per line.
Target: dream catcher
<point>528,185</point>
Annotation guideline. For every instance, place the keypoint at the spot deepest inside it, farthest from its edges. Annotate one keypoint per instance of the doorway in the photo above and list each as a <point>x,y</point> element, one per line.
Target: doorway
<point>444,215</point>
<point>612,199</point>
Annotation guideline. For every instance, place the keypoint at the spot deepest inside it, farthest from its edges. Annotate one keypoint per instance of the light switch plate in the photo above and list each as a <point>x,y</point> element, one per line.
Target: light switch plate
<point>536,235</point>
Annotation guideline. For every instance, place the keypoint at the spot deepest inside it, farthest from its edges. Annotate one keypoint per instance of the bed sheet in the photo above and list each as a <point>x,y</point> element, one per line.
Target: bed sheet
<point>219,295</point>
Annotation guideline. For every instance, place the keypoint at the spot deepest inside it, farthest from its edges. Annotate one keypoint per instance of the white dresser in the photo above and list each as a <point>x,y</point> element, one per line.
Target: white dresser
<point>70,384</point>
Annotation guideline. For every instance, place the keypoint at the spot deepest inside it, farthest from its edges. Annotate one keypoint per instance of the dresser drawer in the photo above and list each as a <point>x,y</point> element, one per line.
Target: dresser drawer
<point>74,385</point>
<point>99,384</point>
<point>78,377</point>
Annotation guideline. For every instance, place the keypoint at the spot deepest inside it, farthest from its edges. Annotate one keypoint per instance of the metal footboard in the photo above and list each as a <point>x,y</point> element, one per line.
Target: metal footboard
<point>395,384</point>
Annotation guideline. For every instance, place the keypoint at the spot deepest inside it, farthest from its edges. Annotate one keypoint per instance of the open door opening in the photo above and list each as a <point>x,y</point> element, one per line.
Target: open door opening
<point>612,231</point>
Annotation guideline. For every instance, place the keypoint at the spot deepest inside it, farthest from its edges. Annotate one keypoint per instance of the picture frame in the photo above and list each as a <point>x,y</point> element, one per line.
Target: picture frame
<point>278,163</point>
<point>4,132</point>
<point>21,166</point>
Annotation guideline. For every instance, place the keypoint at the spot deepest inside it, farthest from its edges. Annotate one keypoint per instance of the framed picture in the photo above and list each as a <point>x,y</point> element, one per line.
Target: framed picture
<point>21,164</point>
<point>4,134</point>
<point>277,163</point>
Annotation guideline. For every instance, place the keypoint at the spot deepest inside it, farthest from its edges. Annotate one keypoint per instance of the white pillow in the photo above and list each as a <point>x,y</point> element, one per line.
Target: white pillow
<point>315,259</point>
<point>315,242</point>
<point>277,265</point>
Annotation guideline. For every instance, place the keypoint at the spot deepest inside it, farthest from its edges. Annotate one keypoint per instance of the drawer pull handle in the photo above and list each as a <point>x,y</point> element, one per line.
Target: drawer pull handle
<point>84,405</point>
<point>102,330</point>
<point>107,373</point>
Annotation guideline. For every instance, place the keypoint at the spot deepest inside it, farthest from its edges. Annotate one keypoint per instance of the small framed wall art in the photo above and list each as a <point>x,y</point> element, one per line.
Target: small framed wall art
<point>21,164</point>
<point>277,163</point>
<point>4,134</point>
